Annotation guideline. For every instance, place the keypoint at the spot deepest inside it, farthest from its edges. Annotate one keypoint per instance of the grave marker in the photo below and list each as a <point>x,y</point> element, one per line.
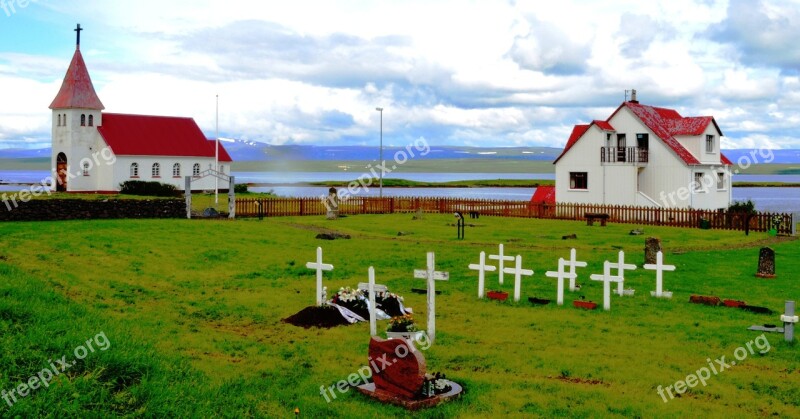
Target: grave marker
<point>607,279</point>
<point>659,267</point>
<point>766,263</point>
<point>373,328</point>
<point>561,276</point>
<point>789,319</point>
<point>518,272</point>
<point>621,268</point>
<point>573,263</point>
<point>501,258</point>
<point>482,268</point>
<point>319,266</point>
<point>432,275</point>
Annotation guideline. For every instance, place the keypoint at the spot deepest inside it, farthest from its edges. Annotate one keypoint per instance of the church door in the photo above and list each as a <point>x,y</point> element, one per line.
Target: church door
<point>61,171</point>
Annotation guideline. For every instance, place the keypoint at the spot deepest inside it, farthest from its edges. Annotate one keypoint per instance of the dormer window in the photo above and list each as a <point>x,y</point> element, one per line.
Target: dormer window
<point>709,143</point>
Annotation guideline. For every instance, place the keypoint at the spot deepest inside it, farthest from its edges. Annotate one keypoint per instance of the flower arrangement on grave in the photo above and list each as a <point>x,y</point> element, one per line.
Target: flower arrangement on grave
<point>402,324</point>
<point>438,384</point>
<point>390,303</point>
<point>353,299</point>
<point>777,221</point>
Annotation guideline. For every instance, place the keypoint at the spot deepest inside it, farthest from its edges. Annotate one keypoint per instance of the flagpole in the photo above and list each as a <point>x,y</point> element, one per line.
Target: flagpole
<point>216,156</point>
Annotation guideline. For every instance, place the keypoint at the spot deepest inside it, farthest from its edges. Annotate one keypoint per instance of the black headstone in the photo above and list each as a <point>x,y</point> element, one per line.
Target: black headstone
<point>766,263</point>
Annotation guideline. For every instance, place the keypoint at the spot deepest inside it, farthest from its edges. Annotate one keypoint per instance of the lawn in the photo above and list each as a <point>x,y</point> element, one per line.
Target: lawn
<point>192,309</point>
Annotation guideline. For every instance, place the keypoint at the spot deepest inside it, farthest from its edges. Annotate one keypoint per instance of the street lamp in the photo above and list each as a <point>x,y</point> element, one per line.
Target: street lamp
<point>381,153</point>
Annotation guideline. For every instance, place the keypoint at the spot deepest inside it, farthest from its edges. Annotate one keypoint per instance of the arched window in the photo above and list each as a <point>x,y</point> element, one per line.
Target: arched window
<point>83,119</point>
<point>134,169</point>
<point>156,170</point>
<point>59,120</point>
<point>85,169</point>
<point>91,120</point>
<point>64,120</point>
<point>196,169</point>
<point>176,170</point>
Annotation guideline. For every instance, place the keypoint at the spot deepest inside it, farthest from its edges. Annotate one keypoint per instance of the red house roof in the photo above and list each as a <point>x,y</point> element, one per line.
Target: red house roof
<point>145,135</point>
<point>77,90</point>
<point>665,123</point>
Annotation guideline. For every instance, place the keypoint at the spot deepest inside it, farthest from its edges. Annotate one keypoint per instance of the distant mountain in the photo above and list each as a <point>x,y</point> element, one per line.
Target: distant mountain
<point>242,150</point>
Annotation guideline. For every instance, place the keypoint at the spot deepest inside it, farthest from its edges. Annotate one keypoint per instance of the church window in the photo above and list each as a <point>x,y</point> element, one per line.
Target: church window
<point>134,169</point>
<point>83,119</point>
<point>85,168</point>
<point>59,120</point>
<point>196,169</point>
<point>156,170</point>
<point>91,120</point>
<point>176,170</point>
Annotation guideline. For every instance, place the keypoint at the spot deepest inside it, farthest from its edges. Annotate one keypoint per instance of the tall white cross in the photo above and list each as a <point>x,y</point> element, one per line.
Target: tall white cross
<point>621,268</point>
<point>319,266</point>
<point>373,327</point>
<point>561,276</point>
<point>573,263</point>
<point>432,275</point>
<point>501,258</point>
<point>607,280</point>
<point>482,268</point>
<point>659,267</point>
<point>518,272</point>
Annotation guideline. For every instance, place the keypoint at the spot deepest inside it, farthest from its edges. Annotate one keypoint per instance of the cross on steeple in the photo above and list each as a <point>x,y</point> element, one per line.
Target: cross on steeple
<point>78,31</point>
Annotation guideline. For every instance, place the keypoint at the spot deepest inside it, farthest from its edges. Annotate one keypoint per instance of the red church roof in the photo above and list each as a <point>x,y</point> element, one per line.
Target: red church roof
<point>77,90</point>
<point>145,135</point>
<point>665,123</point>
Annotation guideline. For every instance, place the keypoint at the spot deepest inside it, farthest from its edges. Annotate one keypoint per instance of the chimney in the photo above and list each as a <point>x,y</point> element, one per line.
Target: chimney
<point>633,96</point>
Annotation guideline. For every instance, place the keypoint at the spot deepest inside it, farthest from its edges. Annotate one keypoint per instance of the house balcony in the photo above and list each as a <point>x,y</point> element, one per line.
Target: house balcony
<point>631,155</point>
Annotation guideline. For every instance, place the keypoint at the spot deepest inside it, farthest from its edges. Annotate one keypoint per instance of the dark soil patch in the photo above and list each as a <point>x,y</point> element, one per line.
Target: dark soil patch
<point>313,316</point>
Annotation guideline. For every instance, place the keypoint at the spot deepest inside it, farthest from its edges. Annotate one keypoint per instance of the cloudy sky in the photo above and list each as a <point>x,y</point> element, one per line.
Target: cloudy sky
<point>481,73</point>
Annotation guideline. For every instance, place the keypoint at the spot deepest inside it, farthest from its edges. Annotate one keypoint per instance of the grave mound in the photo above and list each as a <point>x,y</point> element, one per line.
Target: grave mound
<point>324,317</point>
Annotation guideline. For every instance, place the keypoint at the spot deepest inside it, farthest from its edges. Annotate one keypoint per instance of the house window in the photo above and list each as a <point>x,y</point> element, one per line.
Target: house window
<point>176,170</point>
<point>134,169</point>
<point>85,169</point>
<point>697,185</point>
<point>578,180</point>
<point>643,141</point>
<point>621,148</point>
<point>156,172</point>
<point>720,181</point>
<point>709,143</point>
<point>196,169</point>
<point>83,120</point>
<point>91,120</point>
<point>221,169</point>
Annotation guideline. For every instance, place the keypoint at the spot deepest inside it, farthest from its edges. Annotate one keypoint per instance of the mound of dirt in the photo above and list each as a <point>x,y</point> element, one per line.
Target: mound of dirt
<point>313,316</point>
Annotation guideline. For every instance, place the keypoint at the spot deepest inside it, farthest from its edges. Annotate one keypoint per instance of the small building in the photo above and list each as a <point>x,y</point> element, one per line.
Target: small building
<point>645,156</point>
<point>93,151</point>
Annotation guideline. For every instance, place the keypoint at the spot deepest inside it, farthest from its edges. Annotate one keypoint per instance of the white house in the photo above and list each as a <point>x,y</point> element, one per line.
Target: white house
<point>645,156</point>
<point>95,151</point>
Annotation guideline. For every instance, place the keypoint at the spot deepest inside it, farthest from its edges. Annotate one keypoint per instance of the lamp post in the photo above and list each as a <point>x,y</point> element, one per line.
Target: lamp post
<point>380,193</point>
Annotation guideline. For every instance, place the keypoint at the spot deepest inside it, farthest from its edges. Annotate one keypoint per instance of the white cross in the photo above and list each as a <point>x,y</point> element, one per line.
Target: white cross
<point>659,267</point>
<point>607,280</point>
<point>621,268</point>
<point>373,327</point>
<point>573,263</point>
<point>518,272</point>
<point>319,266</point>
<point>501,261</point>
<point>482,268</point>
<point>432,275</point>
<point>561,276</point>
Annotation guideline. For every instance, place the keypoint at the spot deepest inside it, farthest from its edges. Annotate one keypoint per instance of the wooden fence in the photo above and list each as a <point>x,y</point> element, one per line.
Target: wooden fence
<point>715,219</point>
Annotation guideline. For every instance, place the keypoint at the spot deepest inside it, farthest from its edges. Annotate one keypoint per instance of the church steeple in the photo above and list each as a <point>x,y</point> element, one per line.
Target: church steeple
<point>77,91</point>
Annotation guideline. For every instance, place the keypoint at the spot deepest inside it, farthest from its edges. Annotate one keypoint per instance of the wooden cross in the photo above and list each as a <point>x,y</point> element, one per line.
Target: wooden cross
<point>518,272</point>
<point>482,268</point>
<point>573,263</point>
<point>659,267</point>
<point>432,275</point>
<point>78,31</point>
<point>621,268</point>
<point>319,266</point>
<point>373,327</point>
<point>561,276</point>
<point>607,280</point>
<point>501,258</point>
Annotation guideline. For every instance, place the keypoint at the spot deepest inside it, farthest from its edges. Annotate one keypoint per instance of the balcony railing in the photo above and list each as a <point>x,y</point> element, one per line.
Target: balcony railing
<point>623,155</point>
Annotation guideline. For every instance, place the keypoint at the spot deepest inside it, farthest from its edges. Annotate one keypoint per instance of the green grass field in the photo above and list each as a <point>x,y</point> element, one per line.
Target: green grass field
<point>192,313</point>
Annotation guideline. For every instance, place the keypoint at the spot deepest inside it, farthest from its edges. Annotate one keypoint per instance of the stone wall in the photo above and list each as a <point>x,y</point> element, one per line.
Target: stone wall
<point>79,209</point>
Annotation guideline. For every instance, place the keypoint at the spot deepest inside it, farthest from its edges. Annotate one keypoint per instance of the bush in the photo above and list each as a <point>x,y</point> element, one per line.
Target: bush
<point>240,188</point>
<point>139,187</point>
<point>747,207</point>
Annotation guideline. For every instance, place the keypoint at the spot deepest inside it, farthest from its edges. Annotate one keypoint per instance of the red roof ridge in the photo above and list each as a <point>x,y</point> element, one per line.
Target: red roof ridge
<point>77,90</point>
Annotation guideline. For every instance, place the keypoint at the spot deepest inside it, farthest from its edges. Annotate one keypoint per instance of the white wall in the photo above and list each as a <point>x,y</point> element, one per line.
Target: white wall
<point>122,171</point>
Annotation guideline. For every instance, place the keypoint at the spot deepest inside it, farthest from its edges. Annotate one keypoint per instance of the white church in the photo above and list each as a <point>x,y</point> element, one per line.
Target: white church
<point>645,156</point>
<point>94,151</point>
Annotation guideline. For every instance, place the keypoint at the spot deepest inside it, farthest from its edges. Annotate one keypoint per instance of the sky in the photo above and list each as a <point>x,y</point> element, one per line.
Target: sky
<point>454,72</point>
